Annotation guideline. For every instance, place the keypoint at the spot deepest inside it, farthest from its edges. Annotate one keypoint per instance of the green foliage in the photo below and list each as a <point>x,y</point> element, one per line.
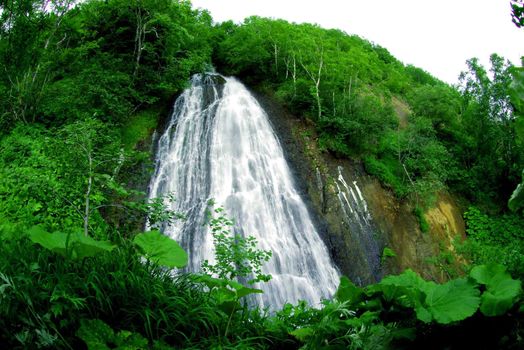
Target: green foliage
<point>41,293</point>
<point>400,311</point>
<point>450,302</point>
<point>65,180</point>
<point>161,249</point>
<point>358,132</point>
<point>516,91</point>
<point>494,239</point>
<point>236,256</point>
<point>516,201</point>
<point>99,336</point>
<point>386,254</point>
<point>517,12</point>
<point>439,103</point>
<point>501,290</point>
<point>157,210</point>
<point>138,128</point>
<point>102,59</point>
<point>487,145</point>
<point>81,89</point>
<point>453,301</point>
<point>74,245</point>
<point>423,223</point>
<point>385,170</point>
<point>347,291</point>
<point>226,293</point>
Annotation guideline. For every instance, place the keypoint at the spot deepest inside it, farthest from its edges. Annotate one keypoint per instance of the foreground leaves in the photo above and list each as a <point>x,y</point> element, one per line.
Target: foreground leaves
<point>161,249</point>
<point>501,290</point>
<point>73,244</point>
<point>99,336</point>
<point>453,301</point>
<point>489,289</point>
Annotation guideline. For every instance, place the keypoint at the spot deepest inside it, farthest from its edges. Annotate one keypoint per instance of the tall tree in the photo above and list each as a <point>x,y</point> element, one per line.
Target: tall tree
<point>489,122</point>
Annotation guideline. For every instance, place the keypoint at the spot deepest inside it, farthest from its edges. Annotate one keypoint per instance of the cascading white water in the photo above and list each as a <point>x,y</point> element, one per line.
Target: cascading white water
<point>219,144</point>
<point>360,222</point>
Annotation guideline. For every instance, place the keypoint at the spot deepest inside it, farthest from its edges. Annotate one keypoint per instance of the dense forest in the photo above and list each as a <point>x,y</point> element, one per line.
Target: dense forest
<point>85,84</point>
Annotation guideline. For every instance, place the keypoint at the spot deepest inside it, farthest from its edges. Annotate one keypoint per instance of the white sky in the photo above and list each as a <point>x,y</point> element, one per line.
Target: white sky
<point>437,36</point>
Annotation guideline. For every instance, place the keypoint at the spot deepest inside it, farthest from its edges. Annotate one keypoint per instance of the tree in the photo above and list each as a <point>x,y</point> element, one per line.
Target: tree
<point>30,31</point>
<point>92,158</point>
<point>516,201</point>
<point>313,67</point>
<point>236,257</point>
<point>489,124</point>
<point>517,12</point>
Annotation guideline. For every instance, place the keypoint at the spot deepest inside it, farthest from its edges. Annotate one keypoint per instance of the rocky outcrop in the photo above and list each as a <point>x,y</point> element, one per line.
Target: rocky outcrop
<point>356,230</point>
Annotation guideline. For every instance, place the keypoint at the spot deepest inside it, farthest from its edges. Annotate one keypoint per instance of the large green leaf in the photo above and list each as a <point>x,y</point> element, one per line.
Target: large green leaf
<point>407,289</point>
<point>161,249</point>
<point>55,242</point>
<point>242,290</point>
<point>347,291</point>
<point>73,244</point>
<point>84,246</point>
<point>410,279</point>
<point>452,301</point>
<point>423,314</point>
<point>501,290</point>
<point>210,282</point>
<point>516,91</point>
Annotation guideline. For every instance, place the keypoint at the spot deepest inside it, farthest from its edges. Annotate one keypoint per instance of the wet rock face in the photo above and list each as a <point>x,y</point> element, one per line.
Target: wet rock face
<point>359,241</point>
<point>415,249</point>
<point>332,190</point>
<point>356,216</point>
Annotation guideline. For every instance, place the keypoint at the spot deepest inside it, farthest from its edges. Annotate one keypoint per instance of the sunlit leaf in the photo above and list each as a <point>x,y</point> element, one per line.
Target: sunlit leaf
<point>55,242</point>
<point>452,301</point>
<point>161,249</point>
<point>501,290</point>
<point>347,291</point>
<point>74,244</point>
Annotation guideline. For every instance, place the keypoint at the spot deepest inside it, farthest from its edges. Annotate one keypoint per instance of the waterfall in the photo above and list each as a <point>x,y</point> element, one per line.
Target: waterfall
<point>219,144</point>
<point>359,220</point>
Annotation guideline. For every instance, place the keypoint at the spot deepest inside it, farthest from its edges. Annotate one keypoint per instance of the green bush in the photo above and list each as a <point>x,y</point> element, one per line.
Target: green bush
<point>386,174</point>
<point>495,239</point>
<point>44,296</point>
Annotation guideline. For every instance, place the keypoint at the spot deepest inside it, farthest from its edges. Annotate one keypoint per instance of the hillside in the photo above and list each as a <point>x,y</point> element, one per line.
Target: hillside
<point>88,87</point>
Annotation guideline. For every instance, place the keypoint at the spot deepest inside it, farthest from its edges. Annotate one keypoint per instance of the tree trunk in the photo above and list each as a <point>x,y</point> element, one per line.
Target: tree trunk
<point>316,80</point>
<point>88,193</point>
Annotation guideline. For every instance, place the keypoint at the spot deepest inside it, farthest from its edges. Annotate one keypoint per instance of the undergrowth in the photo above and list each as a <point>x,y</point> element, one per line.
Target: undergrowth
<point>58,291</point>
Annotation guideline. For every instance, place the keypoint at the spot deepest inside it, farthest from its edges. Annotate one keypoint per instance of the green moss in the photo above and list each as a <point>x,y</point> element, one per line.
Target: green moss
<point>385,171</point>
<point>423,223</point>
<point>139,128</point>
<point>387,253</point>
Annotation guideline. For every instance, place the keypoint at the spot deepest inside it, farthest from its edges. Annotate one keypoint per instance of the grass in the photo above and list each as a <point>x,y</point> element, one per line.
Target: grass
<point>386,170</point>
<point>139,128</point>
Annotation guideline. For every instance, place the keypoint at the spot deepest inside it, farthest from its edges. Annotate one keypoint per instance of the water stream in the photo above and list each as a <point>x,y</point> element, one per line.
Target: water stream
<point>358,218</point>
<point>219,144</point>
